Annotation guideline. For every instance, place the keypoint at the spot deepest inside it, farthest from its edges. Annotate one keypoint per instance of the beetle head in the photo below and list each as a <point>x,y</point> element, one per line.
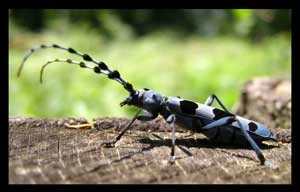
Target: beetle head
<point>146,99</point>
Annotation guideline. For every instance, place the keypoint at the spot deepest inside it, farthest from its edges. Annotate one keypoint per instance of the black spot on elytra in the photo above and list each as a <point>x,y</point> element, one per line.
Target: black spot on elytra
<point>188,107</point>
<point>220,114</point>
<point>146,89</point>
<point>252,126</point>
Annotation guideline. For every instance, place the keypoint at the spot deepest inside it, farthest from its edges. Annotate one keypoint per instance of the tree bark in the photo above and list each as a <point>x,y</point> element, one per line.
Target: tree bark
<point>267,100</point>
<point>45,151</point>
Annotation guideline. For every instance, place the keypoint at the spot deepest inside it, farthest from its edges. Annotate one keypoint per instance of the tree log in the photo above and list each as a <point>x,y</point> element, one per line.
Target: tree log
<point>267,100</point>
<point>45,151</point>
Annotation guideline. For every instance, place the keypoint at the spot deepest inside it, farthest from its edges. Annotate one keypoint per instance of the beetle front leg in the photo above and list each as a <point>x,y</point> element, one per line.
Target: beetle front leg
<point>111,143</point>
<point>171,120</point>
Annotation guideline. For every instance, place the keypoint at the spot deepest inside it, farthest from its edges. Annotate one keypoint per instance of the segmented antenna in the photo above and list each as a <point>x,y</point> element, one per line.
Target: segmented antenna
<point>100,67</point>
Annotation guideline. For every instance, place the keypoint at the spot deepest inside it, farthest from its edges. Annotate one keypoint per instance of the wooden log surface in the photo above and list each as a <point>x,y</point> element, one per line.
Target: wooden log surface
<point>45,151</point>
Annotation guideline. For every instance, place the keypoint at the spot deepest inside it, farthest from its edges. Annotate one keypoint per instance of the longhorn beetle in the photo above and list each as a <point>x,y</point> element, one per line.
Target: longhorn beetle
<point>218,125</point>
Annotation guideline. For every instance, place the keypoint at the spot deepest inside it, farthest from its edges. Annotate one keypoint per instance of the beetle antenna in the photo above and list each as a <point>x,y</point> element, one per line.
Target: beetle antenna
<point>100,67</point>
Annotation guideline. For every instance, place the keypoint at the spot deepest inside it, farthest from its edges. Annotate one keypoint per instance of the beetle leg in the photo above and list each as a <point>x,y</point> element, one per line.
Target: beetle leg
<point>220,122</point>
<point>171,120</point>
<point>210,100</point>
<point>228,120</point>
<point>111,143</point>
<point>225,120</point>
<point>146,117</point>
<point>253,144</point>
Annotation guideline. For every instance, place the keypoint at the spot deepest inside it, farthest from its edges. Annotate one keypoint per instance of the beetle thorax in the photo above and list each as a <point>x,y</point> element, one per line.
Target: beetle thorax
<point>150,101</point>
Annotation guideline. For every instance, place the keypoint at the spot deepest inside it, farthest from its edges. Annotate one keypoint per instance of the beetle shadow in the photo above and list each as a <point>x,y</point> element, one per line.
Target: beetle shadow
<point>185,143</point>
<point>199,143</point>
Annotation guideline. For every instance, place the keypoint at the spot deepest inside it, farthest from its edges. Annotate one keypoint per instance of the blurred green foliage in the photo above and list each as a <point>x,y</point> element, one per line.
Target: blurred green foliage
<point>253,24</point>
<point>148,50</point>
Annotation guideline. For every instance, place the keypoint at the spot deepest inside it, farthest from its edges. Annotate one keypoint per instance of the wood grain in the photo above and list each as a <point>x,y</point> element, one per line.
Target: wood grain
<point>44,151</point>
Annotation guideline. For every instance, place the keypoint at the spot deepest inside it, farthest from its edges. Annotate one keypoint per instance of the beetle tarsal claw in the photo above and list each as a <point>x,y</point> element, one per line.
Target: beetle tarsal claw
<point>172,159</point>
<point>270,165</point>
<point>80,126</point>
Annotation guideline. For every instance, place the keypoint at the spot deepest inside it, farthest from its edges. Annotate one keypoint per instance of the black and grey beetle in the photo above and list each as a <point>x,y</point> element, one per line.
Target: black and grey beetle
<point>216,124</point>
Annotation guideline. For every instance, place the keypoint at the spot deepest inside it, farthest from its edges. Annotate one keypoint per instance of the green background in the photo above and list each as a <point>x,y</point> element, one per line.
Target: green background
<point>187,53</point>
